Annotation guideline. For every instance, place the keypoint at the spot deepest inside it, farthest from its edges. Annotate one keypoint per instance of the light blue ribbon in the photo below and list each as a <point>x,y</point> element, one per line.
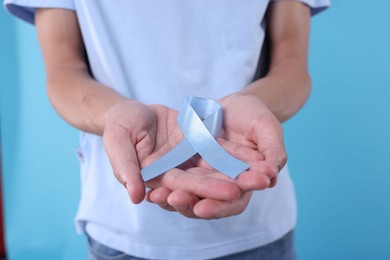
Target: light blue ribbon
<point>200,120</point>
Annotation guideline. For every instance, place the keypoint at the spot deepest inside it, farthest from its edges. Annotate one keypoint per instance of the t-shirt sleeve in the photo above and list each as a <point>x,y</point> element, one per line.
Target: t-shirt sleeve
<point>316,6</point>
<point>25,9</point>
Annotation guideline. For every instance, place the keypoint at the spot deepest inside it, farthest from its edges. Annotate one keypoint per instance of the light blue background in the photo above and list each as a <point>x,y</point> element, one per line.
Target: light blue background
<point>339,144</point>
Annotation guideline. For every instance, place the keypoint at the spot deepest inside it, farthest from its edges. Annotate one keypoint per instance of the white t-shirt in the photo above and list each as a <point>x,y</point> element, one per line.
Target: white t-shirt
<point>159,52</point>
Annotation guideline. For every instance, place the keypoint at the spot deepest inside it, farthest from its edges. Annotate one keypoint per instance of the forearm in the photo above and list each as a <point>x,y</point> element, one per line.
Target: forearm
<point>80,100</point>
<point>284,90</point>
<point>76,96</point>
<point>287,85</point>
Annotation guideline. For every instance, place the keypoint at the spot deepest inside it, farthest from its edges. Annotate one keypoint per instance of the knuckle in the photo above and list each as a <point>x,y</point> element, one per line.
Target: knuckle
<point>283,159</point>
<point>270,170</point>
<point>240,210</point>
<point>273,182</point>
<point>262,183</point>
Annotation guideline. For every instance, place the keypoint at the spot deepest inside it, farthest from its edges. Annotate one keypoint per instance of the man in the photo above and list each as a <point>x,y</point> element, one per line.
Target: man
<point>118,71</point>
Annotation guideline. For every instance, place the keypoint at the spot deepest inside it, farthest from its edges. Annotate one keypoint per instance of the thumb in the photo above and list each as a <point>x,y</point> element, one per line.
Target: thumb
<point>124,161</point>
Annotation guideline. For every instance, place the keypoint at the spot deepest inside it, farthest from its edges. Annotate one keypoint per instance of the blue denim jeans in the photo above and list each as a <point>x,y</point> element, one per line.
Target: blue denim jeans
<point>281,249</point>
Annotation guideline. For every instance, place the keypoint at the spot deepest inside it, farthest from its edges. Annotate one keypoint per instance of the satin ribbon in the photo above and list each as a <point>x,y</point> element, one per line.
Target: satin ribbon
<point>200,120</point>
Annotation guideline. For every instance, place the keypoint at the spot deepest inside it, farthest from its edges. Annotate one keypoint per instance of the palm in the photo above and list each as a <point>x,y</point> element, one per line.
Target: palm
<point>136,135</point>
<point>252,134</point>
<point>248,122</point>
<point>158,136</point>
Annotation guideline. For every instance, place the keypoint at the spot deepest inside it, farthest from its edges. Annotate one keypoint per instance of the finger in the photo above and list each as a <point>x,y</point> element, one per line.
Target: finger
<point>159,195</point>
<point>179,200</point>
<point>239,151</point>
<point>269,139</point>
<point>214,209</point>
<point>201,185</point>
<point>276,157</point>
<point>183,202</point>
<point>123,159</point>
<point>167,207</point>
<point>260,173</point>
<point>258,177</point>
<point>274,180</point>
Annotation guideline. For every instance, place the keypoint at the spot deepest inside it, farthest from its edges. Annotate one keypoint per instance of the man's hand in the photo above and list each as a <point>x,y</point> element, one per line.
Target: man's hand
<point>252,134</point>
<point>248,122</point>
<point>135,135</point>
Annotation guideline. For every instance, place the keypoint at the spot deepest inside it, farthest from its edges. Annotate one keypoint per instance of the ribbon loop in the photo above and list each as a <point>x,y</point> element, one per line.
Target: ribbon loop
<point>200,120</point>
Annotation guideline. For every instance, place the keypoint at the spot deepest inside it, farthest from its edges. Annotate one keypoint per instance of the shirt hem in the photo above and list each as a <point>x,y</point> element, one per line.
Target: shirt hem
<point>194,253</point>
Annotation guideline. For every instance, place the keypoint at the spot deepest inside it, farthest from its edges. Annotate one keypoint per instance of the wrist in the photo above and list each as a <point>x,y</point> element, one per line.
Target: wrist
<point>96,118</point>
<point>115,110</point>
<point>268,93</point>
<point>283,96</point>
<point>131,115</point>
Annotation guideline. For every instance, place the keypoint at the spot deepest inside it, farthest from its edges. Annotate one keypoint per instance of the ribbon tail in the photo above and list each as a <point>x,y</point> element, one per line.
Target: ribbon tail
<point>178,155</point>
